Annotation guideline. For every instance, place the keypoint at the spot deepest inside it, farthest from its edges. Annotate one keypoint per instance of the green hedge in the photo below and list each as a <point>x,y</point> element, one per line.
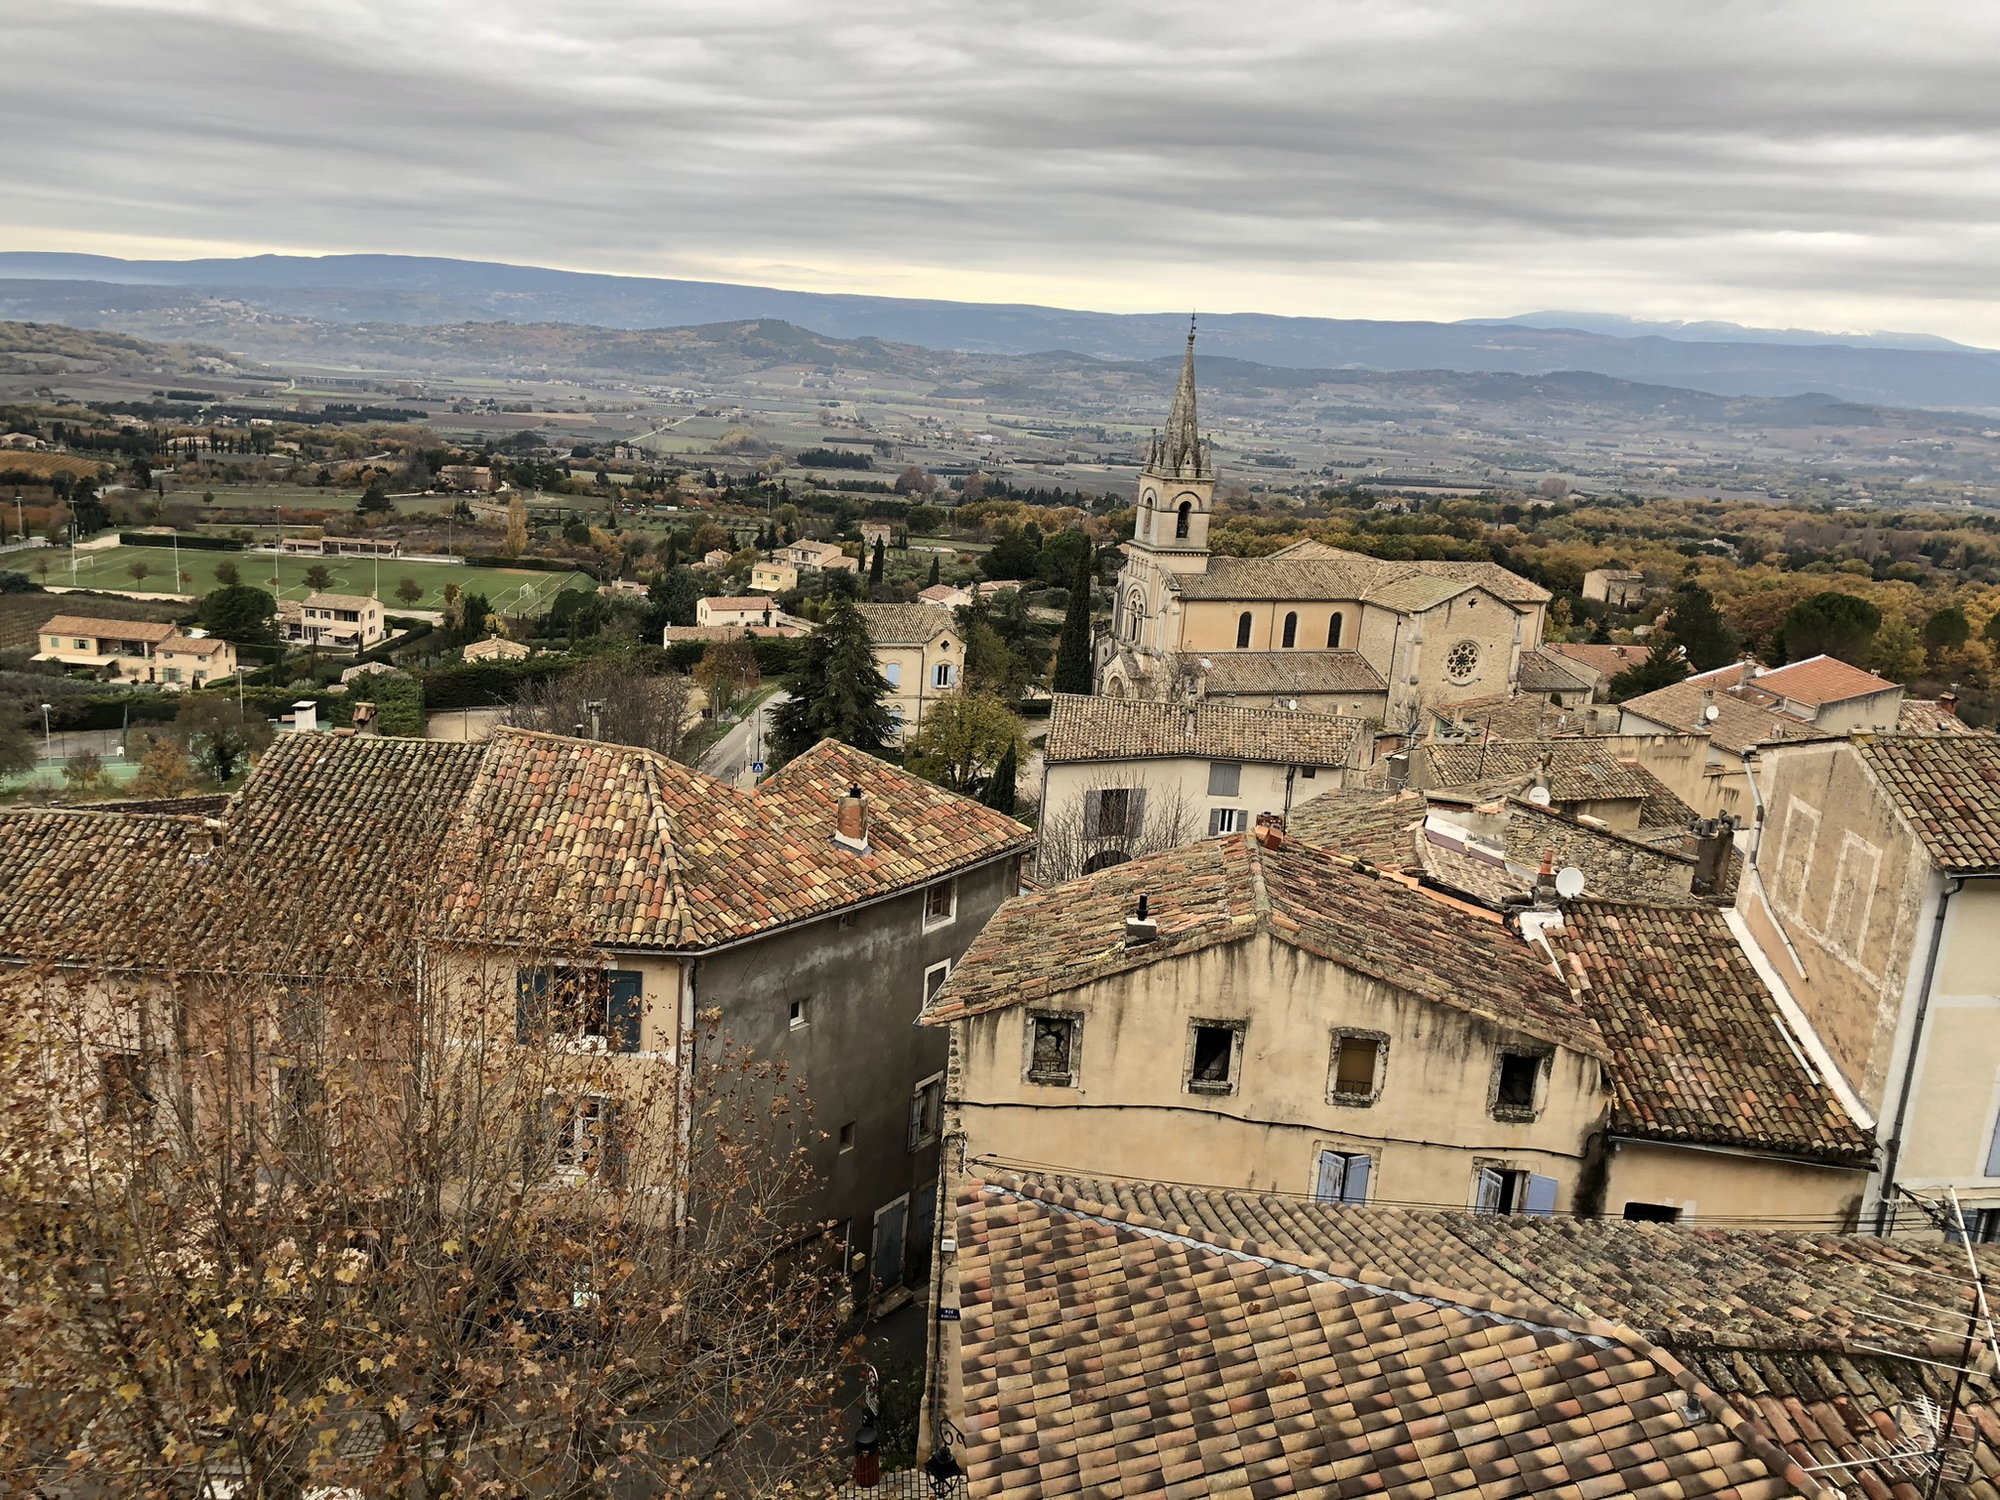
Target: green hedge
<point>110,711</point>
<point>191,543</point>
<point>487,684</point>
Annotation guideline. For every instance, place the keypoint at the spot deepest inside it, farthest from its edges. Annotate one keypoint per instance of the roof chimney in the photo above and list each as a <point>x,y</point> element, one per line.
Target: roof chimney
<point>1948,703</point>
<point>1713,840</point>
<point>305,716</point>
<point>1141,929</point>
<point>850,823</point>
<point>1271,830</point>
<point>1545,880</point>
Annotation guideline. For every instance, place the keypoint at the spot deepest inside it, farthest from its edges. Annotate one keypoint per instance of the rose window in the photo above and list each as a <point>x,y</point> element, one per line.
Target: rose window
<point>1462,660</point>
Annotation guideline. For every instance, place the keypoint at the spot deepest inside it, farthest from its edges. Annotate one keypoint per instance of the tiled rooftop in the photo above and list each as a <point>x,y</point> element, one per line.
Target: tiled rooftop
<point>1283,672</point>
<point>1104,1354</point>
<point>1822,679</point>
<point>1579,769</point>
<point>92,886</point>
<point>904,624</point>
<point>1701,1054</point>
<point>1948,786</point>
<point>1607,661</point>
<point>1543,671</point>
<point>1310,570</point>
<point>1230,889</point>
<point>1738,725</point>
<point>88,626</point>
<point>1931,716</point>
<point>1084,727</point>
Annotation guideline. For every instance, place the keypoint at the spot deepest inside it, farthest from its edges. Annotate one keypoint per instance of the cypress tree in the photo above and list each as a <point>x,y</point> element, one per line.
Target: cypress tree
<point>936,572</point>
<point>1000,788</point>
<point>1073,673</point>
<point>875,564</point>
<point>837,692</point>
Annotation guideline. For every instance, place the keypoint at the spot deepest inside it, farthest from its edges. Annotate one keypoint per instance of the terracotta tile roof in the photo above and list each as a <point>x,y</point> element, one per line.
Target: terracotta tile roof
<point>1607,661</point>
<point>1316,572</point>
<point>1543,671</point>
<point>1738,725</point>
<point>120,630</point>
<point>1282,672</point>
<point>1822,679</point>
<point>1930,716</point>
<point>1083,727</point>
<point>1374,826</point>
<point>1948,786</point>
<point>1105,1354</point>
<point>1522,716</point>
<point>1700,1051</point>
<point>1677,1283</point>
<point>1230,889</point>
<point>360,602</point>
<point>745,602</point>
<point>1580,770</point>
<point>93,886</point>
<point>623,848</point>
<point>904,624</point>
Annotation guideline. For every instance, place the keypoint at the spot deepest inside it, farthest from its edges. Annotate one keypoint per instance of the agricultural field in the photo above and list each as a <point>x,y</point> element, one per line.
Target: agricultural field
<point>509,590</point>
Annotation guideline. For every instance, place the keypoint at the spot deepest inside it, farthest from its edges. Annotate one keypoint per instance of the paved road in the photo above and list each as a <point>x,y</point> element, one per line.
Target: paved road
<point>729,758</point>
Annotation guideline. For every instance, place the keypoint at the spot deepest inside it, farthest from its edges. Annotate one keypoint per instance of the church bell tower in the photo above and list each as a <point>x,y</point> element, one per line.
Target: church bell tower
<point>1177,486</point>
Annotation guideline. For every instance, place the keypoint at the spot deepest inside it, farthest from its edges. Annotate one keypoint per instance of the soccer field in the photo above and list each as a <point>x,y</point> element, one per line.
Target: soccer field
<point>509,590</point>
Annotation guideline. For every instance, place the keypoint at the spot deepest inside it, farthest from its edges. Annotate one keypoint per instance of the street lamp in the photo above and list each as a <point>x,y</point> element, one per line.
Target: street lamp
<point>48,740</point>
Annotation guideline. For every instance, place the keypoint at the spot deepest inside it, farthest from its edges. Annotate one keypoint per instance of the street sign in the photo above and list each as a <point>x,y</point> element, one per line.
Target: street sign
<point>756,768</point>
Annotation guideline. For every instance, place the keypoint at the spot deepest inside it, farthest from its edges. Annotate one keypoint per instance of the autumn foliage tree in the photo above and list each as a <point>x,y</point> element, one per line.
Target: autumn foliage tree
<point>391,1231</point>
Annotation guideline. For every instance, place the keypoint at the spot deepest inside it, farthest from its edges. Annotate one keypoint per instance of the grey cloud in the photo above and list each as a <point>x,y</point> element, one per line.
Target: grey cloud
<point>1782,160</point>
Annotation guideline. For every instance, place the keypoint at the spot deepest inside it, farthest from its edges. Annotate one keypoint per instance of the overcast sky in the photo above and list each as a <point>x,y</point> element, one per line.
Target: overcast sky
<point>1826,163</point>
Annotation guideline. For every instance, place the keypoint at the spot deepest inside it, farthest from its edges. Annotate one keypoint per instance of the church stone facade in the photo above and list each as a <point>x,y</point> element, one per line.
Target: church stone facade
<point>1312,626</point>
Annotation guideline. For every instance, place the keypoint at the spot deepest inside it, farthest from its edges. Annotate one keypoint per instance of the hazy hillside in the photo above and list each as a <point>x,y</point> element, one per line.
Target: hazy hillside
<point>203,297</point>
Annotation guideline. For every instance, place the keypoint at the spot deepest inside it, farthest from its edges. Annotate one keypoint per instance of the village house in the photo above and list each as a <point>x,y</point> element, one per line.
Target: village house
<point>1261,1013</point>
<point>773,577</point>
<point>1601,779</point>
<point>874,532</point>
<point>1873,898</point>
<point>920,654</point>
<point>333,622</point>
<point>716,561</point>
<point>815,914</point>
<point>944,596</point>
<point>1621,588</point>
<point>1132,1337</point>
<point>807,553</point>
<point>468,478</point>
<point>1600,662</point>
<point>1122,777</point>
<point>1338,631</point>
<point>735,611</point>
<point>136,651</point>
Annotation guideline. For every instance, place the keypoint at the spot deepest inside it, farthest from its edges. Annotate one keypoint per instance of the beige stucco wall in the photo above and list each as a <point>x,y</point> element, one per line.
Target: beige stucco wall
<point>1847,883</point>
<point>1955,1100</point>
<point>1131,1114</point>
<point>1877,711</point>
<point>1724,1185</point>
<point>475,981</point>
<point>1180,786</point>
<point>1210,625</point>
<point>910,689</point>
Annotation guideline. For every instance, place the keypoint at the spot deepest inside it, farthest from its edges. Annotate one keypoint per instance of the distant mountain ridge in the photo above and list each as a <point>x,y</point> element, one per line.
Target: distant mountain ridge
<point>1710,331</point>
<point>416,291</point>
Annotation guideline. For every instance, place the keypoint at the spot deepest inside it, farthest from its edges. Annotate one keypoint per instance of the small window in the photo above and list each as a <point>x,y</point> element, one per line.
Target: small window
<point>944,674</point>
<point>579,1131</point>
<point>1516,1077</point>
<point>1052,1050</point>
<point>800,1013</point>
<point>1342,1177</point>
<point>126,1087</point>
<point>1112,813</point>
<point>1651,1213</point>
<point>1507,1190</point>
<point>1356,1072</point>
<point>1223,820</point>
<point>934,978</point>
<point>1333,633</point>
<point>1291,629</point>
<point>1225,778</point>
<point>892,672</point>
<point>1308,773</point>
<point>1212,1057</point>
<point>940,903</point>
<point>597,1006</point>
<point>1181,520</point>
<point>846,1136</point>
<point>926,1111</point>
<point>1242,631</point>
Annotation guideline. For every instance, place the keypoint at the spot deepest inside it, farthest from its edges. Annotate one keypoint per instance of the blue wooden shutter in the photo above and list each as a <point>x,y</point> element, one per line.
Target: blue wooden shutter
<point>1355,1188</point>
<point>1492,1188</point>
<point>1332,1177</point>
<point>1541,1197</point>
<point>612,1156</point>
<point>626,1003</point>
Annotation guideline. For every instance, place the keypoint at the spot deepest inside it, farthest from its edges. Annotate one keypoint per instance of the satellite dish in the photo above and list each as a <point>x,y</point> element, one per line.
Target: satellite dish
<point>1539,795</point>
<point>1569,882</point>
<point>1711,714</point>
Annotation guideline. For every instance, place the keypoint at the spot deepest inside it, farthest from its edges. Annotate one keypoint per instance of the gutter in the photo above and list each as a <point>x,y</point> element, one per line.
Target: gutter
<point>1910,1058</point>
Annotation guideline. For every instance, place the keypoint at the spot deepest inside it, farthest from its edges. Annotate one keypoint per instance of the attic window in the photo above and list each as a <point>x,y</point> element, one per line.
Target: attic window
<point>1516,1084</point>
<point>1355,1075</point>
<point>1213,1056</point>
<point>1052,1049</point>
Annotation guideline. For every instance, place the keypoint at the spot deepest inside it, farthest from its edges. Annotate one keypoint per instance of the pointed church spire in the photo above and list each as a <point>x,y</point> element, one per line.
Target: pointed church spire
<point>1180,451</point>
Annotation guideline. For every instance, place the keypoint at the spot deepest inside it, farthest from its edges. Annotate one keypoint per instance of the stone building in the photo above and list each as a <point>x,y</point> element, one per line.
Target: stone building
<point>1337,631</point>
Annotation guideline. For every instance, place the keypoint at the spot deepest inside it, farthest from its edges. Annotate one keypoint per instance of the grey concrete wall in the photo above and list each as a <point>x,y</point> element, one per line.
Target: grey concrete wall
<point>860,1053</point>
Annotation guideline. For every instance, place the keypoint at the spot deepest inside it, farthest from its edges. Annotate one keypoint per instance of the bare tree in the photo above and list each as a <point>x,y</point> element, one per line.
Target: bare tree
<point>1108,820</point>
<point>727,672</point>
<point>606,700</point>
<point>442,1238</point>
